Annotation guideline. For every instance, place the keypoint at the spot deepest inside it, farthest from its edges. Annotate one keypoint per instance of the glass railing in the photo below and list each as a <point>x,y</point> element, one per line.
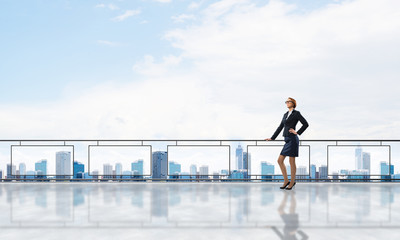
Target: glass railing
<point>196,160</point>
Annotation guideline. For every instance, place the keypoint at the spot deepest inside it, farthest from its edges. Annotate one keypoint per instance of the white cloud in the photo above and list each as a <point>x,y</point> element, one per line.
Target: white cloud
<point>163,1</point>
<point>127,14</point>
<point>148,66</point>
<point>182,18</point>
<point>109,6</point>
<point>195,5</point>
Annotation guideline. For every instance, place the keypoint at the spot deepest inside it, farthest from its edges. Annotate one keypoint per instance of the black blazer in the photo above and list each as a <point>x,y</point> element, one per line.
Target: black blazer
<point>291,122</point>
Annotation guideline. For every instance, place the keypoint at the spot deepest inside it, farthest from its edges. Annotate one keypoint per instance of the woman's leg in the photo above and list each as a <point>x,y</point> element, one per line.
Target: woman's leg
<point>292,170</point>
<point>283,169</point>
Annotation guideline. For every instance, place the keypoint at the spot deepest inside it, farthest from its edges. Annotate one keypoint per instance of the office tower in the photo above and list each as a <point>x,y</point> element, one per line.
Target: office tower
<point>301,170</point>
<point>1,174</point>
<point>39,174</point>
<point>138,166</point>
<point>129,174</point>
<point>107,170</point>
<point>78,168</point>
<point>386,171</point>
<point>247,162</point>
<point>313,171</point>
<point>31,174</point>
<point>118,169</point>
<point>267,168</point>
<point>203,171</point>
<point>358,155</point>
<point>239,157</point>
<point>11,170</point>
<point>22,169</point>
<point>174,168</point>
<point>41,168</point>
<point>366,161</point>
<point>237,174</point>
<point>63,164</point>
<point>193,169</point>
<point>323,172</point>
<point>159,164</point>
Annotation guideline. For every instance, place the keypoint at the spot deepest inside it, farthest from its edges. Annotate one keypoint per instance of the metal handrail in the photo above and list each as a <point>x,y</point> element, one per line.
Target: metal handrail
<point>20,141</point>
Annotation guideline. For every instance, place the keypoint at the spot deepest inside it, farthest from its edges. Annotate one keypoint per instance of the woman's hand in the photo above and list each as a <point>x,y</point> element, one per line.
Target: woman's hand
<point>268,139</point>
<point>292,131</point>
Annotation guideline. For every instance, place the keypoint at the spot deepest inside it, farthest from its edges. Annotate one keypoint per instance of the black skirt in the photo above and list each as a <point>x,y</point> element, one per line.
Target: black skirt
<point>291,147</point>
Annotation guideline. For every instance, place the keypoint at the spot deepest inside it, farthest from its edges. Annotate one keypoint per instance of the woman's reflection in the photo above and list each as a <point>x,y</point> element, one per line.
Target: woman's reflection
<point>290,219</point>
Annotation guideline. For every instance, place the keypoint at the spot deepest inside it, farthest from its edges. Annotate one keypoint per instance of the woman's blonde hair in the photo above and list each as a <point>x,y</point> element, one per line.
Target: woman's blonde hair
<point>294,102</point>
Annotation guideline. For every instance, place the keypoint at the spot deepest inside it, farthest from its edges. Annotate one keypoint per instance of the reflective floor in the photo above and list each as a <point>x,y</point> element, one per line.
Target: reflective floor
<point>199,211</point>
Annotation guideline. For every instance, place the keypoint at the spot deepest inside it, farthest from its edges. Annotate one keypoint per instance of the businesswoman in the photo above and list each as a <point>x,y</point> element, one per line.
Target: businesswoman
<point>291,147</point>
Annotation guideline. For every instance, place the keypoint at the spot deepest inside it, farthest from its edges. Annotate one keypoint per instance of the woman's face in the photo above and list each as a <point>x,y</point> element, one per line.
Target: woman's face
<point>289,103</point>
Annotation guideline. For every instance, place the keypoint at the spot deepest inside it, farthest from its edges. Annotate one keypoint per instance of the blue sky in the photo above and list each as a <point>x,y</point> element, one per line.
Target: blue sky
<point>198,69</point>
<point>47,44</point>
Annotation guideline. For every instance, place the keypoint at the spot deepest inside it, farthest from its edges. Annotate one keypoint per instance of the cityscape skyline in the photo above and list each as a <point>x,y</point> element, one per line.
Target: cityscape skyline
<point>362,161</point>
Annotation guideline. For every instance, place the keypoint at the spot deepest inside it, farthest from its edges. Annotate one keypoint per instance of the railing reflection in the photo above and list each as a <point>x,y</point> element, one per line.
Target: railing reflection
<point>177,205</point>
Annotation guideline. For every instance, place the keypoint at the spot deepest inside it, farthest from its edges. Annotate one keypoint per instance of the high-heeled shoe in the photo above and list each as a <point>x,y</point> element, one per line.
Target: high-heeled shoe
<point>290,188</point>
<point>285,185</point>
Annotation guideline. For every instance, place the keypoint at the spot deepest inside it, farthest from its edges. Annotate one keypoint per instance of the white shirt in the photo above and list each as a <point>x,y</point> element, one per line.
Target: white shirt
<point>289,114</point>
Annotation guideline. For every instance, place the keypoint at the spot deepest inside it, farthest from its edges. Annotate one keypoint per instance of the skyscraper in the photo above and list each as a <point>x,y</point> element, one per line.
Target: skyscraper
<point>159,161</point>
<point>41,168</point>
<point>313,171</point>
<point>174,168</point>
<point>11,170</point>
<point>193,169</point>
<point>386,171</point>
<point>22,169</point>
<point>79,168</point>
<point>203,171</point>
<point>239,157</point>
<point>107,170</point>
<point>118,169</point>
<point>267,168</point>
<point>358,155</point>
<point>366,161</point>
<point>138,166</point>
<point>323,172</point>
<point>63,164</point>
<point>302,170</point>
<point>247,162</point>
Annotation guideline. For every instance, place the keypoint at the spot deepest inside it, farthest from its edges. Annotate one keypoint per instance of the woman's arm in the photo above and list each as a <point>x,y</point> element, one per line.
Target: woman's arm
<point>278,130</point>
<point>304,122</point>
